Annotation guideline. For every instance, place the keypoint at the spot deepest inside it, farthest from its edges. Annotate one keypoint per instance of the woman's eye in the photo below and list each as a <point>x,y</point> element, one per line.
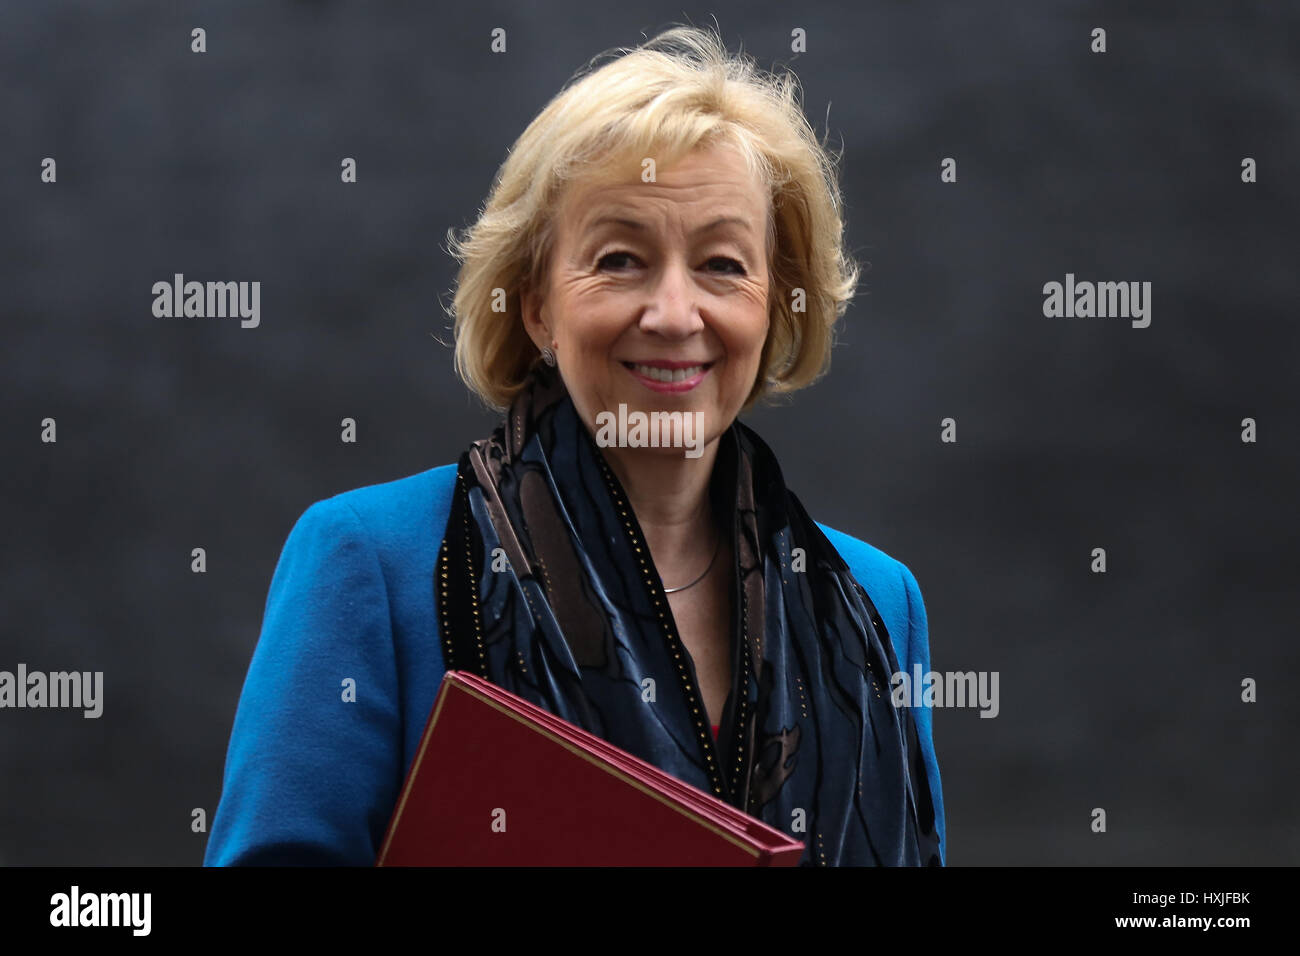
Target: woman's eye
<point>727,264</point>
<point>620,260</point>
<point>624,260</point>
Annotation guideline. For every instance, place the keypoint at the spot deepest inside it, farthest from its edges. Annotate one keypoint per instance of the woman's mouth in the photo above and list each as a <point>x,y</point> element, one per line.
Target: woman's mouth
<point>669,376</point>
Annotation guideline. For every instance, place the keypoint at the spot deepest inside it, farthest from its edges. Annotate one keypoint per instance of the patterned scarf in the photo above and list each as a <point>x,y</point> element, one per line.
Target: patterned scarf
<point>544,586</point>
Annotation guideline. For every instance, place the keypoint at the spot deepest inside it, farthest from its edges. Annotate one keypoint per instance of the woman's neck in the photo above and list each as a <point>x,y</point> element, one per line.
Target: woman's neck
<point>670,496</point>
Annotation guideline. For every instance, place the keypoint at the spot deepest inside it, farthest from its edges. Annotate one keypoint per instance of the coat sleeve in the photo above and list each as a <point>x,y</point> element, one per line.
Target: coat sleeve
<point>313,767</point>
<point>918,653</point>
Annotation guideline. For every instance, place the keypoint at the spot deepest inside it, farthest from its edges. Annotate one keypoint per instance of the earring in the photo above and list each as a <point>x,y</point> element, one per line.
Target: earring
<point>548,356</point>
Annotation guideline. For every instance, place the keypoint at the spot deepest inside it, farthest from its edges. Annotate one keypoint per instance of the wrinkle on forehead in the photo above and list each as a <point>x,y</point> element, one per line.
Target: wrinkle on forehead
<point>618,190</point>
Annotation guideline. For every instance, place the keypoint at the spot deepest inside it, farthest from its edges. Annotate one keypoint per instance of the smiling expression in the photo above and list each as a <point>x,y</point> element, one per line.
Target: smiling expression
<point>657,293</point>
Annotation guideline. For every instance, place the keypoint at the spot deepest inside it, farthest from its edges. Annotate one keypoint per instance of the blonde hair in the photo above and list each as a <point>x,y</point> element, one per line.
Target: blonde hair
<point>673,93</point>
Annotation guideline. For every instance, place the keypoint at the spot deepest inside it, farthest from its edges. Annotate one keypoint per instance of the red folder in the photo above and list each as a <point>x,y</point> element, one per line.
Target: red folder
<point>499,781</point>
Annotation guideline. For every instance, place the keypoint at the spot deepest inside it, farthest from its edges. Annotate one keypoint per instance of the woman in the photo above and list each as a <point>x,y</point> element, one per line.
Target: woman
<point>661,249</point>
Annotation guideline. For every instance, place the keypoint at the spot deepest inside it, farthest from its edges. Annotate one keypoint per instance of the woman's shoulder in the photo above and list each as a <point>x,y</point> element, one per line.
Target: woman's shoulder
<point>395,501</point>
<point>893,590</point>
<point>390,512</point>
<point>888,582</point>
<point>395,514</point>
<point>862,556</point>
<point>409,515</point>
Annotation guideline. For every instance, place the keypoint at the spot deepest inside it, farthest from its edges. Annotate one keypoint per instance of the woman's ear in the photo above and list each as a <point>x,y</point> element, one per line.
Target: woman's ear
<point>531,308</point>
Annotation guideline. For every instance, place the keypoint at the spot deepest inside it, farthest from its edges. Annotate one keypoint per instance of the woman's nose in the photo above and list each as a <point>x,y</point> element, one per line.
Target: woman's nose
<point>673,307</point>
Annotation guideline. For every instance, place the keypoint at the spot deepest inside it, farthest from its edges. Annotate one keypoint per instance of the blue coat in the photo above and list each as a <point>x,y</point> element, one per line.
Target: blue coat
<point>312,779</point>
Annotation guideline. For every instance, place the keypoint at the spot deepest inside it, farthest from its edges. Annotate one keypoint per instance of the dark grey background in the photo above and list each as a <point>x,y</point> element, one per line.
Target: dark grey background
<point>1118,690</point>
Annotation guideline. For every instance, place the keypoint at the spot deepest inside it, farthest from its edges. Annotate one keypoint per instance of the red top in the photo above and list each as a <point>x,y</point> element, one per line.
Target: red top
<point>715,731</point>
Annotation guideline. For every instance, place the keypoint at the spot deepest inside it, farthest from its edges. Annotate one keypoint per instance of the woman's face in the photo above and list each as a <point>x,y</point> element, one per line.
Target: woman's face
<point>657,292</point>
